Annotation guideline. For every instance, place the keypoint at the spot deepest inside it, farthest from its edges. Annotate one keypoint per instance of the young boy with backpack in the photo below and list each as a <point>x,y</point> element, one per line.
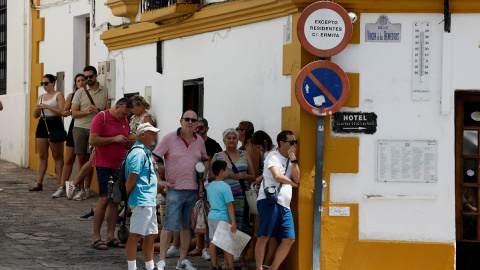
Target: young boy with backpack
<point>220,198</point>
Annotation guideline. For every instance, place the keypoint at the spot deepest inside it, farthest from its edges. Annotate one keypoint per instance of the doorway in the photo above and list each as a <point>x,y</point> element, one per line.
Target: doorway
<point>467,180</point>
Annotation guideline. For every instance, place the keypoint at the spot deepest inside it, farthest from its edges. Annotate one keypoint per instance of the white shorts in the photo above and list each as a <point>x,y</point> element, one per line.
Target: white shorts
<point>144,220</point>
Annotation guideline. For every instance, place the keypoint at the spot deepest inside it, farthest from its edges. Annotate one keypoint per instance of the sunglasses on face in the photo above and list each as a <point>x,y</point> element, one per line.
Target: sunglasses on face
<point>44,83</point>
<point>89,76</point>
<point>187,119</point>
<point>200,128</point>
<point>126,106</point>
<point>239,129</point>
<point>292,142</point>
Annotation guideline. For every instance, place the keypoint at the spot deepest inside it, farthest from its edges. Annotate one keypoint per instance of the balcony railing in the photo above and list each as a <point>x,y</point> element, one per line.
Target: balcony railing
<point>147,5</point>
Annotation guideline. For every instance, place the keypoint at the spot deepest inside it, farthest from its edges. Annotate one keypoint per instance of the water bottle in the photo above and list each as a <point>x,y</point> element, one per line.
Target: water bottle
<point>110,187</point>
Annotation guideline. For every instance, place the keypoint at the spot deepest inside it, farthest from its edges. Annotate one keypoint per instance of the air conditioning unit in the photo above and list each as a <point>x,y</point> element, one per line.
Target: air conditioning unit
<point>106,76</point>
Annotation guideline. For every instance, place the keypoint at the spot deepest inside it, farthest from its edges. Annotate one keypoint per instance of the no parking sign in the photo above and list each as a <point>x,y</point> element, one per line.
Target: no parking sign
<point>322,88</point>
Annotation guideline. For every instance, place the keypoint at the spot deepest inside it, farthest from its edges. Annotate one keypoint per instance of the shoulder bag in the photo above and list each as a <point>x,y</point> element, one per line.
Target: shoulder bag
<point>271,192</point>
<point>199,223</point>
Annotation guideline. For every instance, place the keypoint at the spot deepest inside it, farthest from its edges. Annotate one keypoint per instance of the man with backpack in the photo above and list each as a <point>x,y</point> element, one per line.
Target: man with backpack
<point>141,188</point>
<point>108,133</point>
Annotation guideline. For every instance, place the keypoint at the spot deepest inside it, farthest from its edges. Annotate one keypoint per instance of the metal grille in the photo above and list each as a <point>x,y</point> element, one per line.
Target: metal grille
<point>3,47</point>
<point>156,4</point>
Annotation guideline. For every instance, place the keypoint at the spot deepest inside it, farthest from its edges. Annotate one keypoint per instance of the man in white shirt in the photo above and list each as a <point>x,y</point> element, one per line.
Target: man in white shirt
<point>275,218</point>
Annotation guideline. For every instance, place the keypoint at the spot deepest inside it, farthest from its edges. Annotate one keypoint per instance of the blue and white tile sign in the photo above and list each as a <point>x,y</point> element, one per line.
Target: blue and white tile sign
<point>383,31</point>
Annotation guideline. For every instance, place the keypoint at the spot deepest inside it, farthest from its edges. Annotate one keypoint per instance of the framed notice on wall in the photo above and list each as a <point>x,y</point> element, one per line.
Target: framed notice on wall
<point>406,161</point>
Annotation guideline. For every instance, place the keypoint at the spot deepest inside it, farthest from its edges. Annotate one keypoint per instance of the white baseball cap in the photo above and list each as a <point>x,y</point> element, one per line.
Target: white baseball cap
<point>146,126</point>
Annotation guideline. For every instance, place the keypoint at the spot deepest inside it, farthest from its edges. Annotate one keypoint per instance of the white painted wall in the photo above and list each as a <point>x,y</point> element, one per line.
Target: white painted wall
<point>242,71</point>
<point>385,89</point>
<point>14,138</point>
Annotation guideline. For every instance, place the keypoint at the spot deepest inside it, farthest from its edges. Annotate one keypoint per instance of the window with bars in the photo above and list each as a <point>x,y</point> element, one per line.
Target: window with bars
<point>3,47</point>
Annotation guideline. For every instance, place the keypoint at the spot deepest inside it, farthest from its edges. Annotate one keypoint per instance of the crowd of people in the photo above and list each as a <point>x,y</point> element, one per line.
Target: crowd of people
<point>162,184</point>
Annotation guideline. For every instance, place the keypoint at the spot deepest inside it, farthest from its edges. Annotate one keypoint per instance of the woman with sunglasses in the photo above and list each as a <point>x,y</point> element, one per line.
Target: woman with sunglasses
<point>50,108</point>
<point>240,175</point>
<point>69,155</point>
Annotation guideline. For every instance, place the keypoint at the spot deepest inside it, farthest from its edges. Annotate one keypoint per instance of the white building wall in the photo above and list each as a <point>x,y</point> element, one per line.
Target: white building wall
<point>385,88</point>
<point>242,71</point>
<point>14,138</point>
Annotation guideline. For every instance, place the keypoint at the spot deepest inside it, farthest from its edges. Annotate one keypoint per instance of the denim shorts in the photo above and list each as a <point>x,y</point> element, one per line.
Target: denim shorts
<point>179,207</point>
<point>103,174</point>
<point>274,220</point>
<point>144,220</point>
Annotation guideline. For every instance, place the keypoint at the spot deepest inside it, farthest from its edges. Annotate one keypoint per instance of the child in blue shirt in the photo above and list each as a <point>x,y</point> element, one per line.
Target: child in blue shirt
<point>220,198</point>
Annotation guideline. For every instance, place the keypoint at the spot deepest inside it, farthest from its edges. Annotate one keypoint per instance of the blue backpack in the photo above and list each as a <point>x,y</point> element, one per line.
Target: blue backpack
<point>119,190</point>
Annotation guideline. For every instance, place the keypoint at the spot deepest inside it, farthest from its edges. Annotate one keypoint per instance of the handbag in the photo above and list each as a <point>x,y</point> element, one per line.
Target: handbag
<point>271,192</point>
<point>198,218</point>
<point>251,196</point>
<point>57,135</point>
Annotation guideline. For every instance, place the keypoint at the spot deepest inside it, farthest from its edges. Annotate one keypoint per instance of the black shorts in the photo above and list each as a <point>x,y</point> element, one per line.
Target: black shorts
<point>54,123</point>
<point>70,142</point>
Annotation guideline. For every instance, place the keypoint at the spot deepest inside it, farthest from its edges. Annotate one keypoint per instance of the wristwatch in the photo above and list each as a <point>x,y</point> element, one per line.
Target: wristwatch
<point>294,161</point>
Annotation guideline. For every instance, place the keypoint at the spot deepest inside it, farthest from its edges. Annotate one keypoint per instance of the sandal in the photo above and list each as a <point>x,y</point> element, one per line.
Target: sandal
<point>37,187</point>
<point>99,244</point>
<point>115,243</point>
<point>195,252</point>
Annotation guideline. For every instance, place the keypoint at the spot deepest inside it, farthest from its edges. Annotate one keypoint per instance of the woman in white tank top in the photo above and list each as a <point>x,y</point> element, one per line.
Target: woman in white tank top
<point>52,104</point>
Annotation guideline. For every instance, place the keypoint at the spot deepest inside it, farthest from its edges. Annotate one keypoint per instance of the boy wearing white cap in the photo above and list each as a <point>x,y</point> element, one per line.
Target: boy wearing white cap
<point>141,193</point>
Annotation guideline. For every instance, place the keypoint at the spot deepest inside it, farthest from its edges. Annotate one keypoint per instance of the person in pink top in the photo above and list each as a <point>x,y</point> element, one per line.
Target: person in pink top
<point>108,133</point>
<point>181,149</point>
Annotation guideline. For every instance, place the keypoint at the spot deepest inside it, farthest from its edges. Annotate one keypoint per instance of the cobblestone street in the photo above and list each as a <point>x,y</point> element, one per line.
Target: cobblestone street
<point>38,232</point>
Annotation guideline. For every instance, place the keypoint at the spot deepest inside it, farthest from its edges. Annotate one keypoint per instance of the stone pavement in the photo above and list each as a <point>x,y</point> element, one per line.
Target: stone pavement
<point>39,232</point>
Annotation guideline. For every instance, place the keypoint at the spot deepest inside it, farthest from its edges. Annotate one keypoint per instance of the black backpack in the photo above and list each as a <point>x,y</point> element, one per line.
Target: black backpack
<point>119,190</point>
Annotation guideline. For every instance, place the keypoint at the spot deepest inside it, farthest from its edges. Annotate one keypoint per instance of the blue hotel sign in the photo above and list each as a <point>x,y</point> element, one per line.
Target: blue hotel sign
<point>383,31</point>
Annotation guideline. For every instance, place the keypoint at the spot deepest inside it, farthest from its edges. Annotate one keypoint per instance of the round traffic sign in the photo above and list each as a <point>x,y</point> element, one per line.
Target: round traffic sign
<point>324,28</point>
<point>322,88</point>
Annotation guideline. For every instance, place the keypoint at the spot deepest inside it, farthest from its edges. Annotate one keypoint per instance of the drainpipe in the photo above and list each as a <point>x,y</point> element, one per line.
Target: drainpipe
<point>447,62</point>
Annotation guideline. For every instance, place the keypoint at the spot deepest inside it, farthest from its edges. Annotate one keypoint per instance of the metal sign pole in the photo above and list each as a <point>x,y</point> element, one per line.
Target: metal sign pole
<point>317,207</point>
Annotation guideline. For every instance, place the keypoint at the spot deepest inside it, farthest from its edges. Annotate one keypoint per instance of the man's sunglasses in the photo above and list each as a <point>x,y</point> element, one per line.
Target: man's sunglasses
<point>89,76</point>
<point>187,119</point>
<point>200,128</point>
<point>292,142</point>
<point>44,83</point>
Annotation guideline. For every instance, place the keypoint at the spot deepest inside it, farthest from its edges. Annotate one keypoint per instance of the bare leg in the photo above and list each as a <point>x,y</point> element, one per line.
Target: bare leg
<point>81,160</point>
<point>260,251</point>
<point>185,237</point>
<point>131,247</point>
<point>272,247</point>
<point>176,239</point>
<point>57,154</point>
<point>165,238</point>
<point>281,252</point>
<point>42,147</point>
<point>112,213</point>
<point>86,169</point>
<point>213,254</point>
<point>68,165</point>
<point>99,216</point>
<point>229,258</point>
<point>148,242</point>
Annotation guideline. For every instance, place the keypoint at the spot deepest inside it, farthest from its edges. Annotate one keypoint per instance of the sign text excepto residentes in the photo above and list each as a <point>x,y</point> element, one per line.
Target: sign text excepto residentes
<point>324,29</point>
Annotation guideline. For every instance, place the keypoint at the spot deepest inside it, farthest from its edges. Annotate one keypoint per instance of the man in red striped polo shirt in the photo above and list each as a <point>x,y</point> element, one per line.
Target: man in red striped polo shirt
<point>181,150</point>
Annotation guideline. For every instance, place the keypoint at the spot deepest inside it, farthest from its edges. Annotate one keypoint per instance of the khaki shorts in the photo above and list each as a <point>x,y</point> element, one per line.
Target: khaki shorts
<point>80,138</point>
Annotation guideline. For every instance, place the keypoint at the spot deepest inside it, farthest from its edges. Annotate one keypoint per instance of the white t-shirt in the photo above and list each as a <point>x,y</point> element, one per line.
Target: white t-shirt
<point>275,159</point>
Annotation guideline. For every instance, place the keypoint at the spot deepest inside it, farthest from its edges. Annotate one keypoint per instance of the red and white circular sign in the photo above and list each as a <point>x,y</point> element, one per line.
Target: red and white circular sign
<point>324,28</point>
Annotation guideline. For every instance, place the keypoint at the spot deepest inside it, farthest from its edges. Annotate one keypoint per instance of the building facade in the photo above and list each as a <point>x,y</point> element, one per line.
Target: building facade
<point>396,198</point>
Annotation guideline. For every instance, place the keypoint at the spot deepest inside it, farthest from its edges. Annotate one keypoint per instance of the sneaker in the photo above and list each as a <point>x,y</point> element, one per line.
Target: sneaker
<point>72,191</point>
<point>185,264</point>
<point>59,193</point>
<point>206,254</point>
<point>88,216</point>
<point>88,192</point>
<point>161,265</point>
<point>173,252</point>
<point>80,196</point>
